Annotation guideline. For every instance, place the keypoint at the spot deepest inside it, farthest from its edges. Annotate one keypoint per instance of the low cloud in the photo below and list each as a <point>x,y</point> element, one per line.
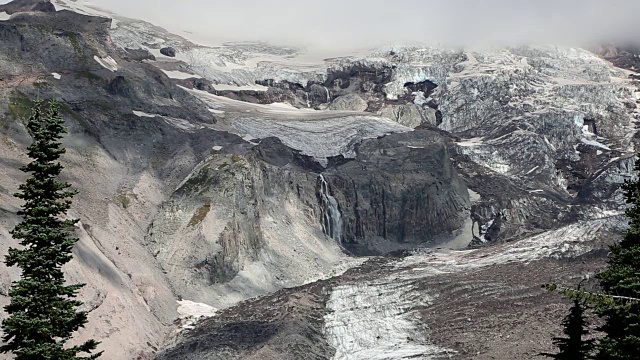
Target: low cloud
<point>349,24</point>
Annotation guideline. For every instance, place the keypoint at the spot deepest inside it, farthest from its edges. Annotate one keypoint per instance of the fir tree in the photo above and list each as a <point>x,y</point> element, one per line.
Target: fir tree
<point>576,327</point>
<point>620,280</point>
<point>43,313</point>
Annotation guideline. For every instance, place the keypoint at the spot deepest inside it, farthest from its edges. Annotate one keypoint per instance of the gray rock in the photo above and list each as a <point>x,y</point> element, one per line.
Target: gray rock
<point>140,54</point>
<point>401,190</point>
<point>352,102</point>
<point>17,6</point>
<point>168,51</point>
<point>410,115</point>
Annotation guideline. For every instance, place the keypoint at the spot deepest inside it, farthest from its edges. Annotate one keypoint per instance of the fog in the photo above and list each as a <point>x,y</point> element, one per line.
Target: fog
<point>348,23</point>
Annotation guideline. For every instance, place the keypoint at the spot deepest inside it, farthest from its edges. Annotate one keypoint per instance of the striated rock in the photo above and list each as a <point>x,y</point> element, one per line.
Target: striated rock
<point>247,226</point>
<point>119,86</point>
<point>400,191</point>
<point>410,115</point>
<point>168,51</point>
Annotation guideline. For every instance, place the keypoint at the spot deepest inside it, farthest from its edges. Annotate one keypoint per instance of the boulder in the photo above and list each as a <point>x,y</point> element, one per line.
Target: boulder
<point>140,54</point>
<point>168,51</point>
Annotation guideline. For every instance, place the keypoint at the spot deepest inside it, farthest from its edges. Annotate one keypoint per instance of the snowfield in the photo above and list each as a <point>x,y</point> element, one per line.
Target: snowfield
<point>107,63</point>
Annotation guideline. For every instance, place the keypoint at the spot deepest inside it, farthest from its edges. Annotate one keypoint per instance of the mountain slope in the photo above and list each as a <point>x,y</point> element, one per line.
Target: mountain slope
<point>230,172</point>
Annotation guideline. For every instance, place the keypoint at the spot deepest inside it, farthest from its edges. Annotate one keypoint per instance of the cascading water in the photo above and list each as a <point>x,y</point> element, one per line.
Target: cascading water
<point>308,102</point>
<point>328,95</point>
<point>331,217</point>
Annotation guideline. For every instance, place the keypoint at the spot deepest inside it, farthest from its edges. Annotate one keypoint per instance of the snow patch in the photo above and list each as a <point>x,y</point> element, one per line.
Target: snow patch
<point>191,312</point>
<point>4,16</point>
<point>217,148</point>
<point>143,114</point>
<point>179,75</point>
<point>471,142</point>
<point>229,87</point>
<point>474,197</point>
<point>532,170</point>
<point>107,63</point>
<point>56,76</point>
<point>595,143</point>
<point>217,112</point>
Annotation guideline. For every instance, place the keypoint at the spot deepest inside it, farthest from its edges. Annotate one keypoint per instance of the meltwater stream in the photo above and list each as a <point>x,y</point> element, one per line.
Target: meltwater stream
<point>331,216</point>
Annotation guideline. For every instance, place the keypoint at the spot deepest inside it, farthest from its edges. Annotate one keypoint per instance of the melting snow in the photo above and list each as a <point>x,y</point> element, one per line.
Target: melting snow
<point>470,142</point>
<point>595,143</point>
<point>569,241</point>
<point>255,87</point>
<point>191,312</point>
<point>179,75</point>
<point>107,63</point>
<point>483,230</point>
<point>143,114</point>
<point>56,76</point>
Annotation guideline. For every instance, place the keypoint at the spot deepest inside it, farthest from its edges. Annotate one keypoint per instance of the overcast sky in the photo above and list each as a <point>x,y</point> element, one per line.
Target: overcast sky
<point>351,23</point>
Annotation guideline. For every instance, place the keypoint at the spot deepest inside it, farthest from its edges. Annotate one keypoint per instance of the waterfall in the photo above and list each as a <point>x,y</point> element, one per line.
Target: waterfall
<point>328,95</point>
<point>331,217</point>
<point>308,103</point>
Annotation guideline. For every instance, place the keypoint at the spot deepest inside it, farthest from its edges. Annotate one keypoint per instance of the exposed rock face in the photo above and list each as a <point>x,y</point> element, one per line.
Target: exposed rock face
<point>140,54</point>
<point>381,216</point>
<point>168,51</point>
<point>351,102</point>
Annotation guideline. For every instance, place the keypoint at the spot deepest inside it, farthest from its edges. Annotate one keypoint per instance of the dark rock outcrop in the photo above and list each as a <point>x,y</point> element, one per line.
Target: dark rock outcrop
<point>168,51</point>
<point>401,190</point>
<point>139,54</point>
<point>17,6</point>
